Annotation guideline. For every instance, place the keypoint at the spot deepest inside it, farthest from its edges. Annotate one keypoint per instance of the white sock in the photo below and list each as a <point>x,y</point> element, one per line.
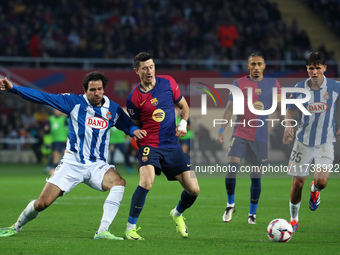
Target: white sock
<point>26,216</point>
<point>294,211</point>
<point>130,226</point>
<point>177,213</point>
<point>111,206</point>
<point>231,205</point>
<point>314,188</point>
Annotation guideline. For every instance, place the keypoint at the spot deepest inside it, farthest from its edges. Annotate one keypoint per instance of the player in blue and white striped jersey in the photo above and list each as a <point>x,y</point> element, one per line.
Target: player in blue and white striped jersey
<point>315,136</point>
<point>91,116</point>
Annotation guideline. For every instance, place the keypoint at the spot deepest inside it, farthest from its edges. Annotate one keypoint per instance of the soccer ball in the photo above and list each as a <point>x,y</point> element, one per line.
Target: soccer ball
<point>279,230</point>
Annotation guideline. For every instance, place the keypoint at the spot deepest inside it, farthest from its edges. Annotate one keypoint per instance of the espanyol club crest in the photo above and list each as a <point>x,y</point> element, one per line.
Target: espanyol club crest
<point>154,101</point>
<point>258,91</point>
<point>109,115</point>
<point>326,96</point>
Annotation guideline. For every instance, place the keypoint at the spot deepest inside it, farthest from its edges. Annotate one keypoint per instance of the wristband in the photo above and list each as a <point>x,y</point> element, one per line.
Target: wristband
<point>220,130</point>
<point>182,126</point>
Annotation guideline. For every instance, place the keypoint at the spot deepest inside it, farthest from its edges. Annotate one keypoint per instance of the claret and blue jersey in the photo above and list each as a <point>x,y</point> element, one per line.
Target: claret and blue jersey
<point>89,127</point>
<point>319,127</point>
<point>262,100</point>
<point>155,110</point>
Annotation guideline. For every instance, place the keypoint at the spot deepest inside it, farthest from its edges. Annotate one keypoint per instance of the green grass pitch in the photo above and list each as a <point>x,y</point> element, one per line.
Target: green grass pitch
<point>68,226</point>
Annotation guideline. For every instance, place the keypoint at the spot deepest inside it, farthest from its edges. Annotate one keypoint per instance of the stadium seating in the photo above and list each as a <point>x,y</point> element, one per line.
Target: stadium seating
<point>170,29</point>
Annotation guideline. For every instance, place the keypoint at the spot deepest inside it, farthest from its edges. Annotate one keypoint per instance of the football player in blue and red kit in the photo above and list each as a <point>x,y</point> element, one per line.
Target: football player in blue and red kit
<point>151,106</point>
<point>250,136</point>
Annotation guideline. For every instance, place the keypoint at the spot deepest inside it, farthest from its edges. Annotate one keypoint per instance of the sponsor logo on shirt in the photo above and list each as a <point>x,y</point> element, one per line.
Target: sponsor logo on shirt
<point>317,107</point>
<point>96,122</point>
<point>142,103</point>
<point>158,115</point>
<point>258,105</point>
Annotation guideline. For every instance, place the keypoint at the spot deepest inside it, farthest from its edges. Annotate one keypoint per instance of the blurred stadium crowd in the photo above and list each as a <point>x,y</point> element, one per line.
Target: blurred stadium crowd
<point>170,29</point>
<point>329,11</point>
<point>176,29</point>
<point>20,119</point>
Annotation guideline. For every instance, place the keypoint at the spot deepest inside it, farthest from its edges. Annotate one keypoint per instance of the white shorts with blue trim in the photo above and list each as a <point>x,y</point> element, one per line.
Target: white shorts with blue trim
<point>69,173</point>
<point>302,156</point>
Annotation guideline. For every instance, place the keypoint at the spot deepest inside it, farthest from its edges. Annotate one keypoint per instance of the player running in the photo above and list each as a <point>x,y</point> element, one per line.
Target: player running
<point>315,136</point>
<point>85,160</point>
<point>151,106</point>
<point>248,141</point>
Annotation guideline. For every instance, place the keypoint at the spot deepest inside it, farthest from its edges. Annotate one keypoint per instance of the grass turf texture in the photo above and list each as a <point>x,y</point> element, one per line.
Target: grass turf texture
<point>68,226</point>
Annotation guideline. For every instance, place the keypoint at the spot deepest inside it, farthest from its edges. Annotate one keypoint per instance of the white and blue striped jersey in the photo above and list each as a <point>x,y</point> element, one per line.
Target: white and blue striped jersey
<point>318,128</point>
<point>89,127</point>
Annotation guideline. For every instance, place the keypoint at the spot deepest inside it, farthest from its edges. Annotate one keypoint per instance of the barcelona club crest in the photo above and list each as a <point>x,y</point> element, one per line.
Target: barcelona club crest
<point>154,101</point>
<point>326,96</point>
<point>258,91</point>
<point>144,159</point>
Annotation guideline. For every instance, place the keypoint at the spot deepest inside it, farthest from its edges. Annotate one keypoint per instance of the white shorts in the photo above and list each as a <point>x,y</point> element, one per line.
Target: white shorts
<point>69,173</point>
<point>302,156</point>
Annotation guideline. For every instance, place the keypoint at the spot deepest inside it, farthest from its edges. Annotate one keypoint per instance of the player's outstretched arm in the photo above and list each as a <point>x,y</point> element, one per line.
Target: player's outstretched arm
<point>137,123</point>
<point>5,84</point>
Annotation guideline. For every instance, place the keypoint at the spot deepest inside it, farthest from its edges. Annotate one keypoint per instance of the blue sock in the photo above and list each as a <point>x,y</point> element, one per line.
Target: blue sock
<point>230,181</point>
<point>137,203</point>
<point>255,191</point>
<point>231,198</point>
<point>185,202</point>
<point>252,208</point>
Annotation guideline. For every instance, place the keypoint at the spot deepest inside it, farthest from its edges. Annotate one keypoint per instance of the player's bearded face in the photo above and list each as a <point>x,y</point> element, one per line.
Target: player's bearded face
<point>146,72</point>
<point>95,93</point>
<point>256,67</point>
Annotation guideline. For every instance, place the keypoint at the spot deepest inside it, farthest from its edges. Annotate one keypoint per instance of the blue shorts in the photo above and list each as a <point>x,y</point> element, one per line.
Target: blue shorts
<point>170,161</point>
<point>254,152</point>
<point>59,146</point>
<point>186,141</point>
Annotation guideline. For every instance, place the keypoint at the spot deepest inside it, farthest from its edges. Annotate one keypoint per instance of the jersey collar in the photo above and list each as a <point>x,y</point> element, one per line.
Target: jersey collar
<point>150,89</point>
<point>106,101</point>
<point>323,85</point>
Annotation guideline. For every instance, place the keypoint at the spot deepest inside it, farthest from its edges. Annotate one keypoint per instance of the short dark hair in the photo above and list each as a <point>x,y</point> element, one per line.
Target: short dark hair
<point>256,54</point>
<point>94,76</point>
<point>141,57</point>
<point>315,58</point>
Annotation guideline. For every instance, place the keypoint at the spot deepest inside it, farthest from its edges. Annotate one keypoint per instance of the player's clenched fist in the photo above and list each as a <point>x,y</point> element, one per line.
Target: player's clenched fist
<point>5,84</point>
